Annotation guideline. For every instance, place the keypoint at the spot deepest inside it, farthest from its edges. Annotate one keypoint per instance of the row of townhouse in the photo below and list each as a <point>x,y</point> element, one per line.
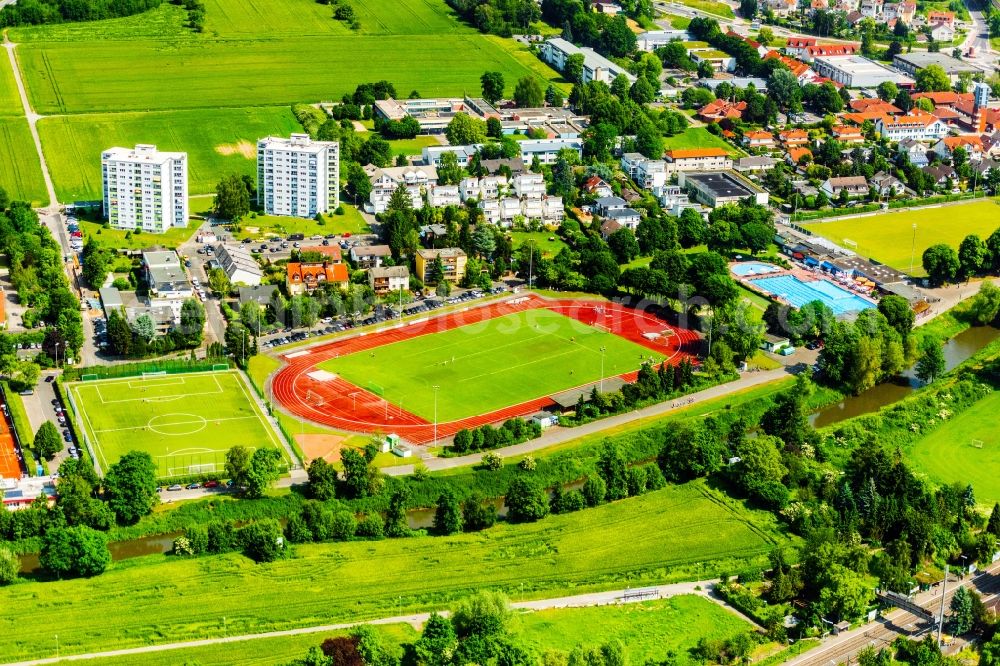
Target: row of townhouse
<point>501,200</point>
<point>545,150</point>
<point>595,66</point>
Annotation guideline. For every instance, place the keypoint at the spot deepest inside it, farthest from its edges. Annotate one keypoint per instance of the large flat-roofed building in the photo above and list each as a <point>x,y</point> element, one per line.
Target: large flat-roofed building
<point>911,63</point>
<point>433,115</point>
<point>857,72</point>
<point>697,159</point>
<point>297,176</point>
<point>595,66</point>
<point>144,188</point>
<point>717,188</point>
<point>547,150</point>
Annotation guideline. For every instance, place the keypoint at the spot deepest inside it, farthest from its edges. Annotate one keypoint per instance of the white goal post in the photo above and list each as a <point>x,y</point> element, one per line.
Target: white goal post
<point>158,373</point>
<point>977,443</point>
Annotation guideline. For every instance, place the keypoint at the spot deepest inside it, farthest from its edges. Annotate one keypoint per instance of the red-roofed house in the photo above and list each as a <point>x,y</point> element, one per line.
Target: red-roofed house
<point>330,253</point>
<point>876,105</point>
<point>301,278</point>
<point>758,139</point>
<point>721,109</point>
<point>848,134</point>
<point>948,98</point>
<point>796,46</point>
<point>795,154</point>
<point>973,146</point>
<point>801,70</point>
<point>946,18</point>
<point>825,50</point>
<point>698,159</point>
<point>794,137</point>
<point>917,125</point>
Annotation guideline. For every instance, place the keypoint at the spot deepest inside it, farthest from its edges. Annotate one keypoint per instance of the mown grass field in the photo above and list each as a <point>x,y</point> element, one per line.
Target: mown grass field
<point>697,137</point>
<point>484,367</point>
<point>263,225</point>
<point>680,532</point>
<point>120,238</point>
<point>889,236</point>
<point>947,454</point>
<point>549,243</point>
<point>648,630</point>
<point>218,142</point>
<point>180,420</point>
<point>20,171</point>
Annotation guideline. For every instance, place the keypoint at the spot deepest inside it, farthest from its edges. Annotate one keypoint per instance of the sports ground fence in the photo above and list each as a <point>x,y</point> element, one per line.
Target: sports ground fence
<point>168,367</point>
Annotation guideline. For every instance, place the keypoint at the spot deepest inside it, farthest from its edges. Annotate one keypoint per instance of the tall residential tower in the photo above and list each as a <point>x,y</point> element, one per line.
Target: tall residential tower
<point>297,176</point>
<point>144,188</point>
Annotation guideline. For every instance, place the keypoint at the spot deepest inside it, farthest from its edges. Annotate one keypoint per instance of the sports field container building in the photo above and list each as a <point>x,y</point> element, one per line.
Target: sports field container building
<point>297,176</point>
<point>144,188</point>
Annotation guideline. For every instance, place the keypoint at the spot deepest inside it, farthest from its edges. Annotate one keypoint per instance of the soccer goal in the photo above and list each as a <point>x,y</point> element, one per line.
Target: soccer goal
<point>851,244</point>
<point>158,373</point>
<point>977,443</point>
<point>206,468</point>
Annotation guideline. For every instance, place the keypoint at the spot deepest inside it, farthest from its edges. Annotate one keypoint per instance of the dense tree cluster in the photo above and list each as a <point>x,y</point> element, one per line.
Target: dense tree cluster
<point>513,431</point>
<point>498,17</point>
<point>35,12</point>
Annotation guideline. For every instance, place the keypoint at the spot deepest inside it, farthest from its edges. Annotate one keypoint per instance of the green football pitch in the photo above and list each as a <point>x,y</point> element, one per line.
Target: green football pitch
<point>186,422</point>
<point>487,366</point>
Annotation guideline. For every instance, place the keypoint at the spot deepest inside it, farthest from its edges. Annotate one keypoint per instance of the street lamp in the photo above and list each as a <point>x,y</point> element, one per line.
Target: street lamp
<point>436,387</point>
<point>57,356</point>
<point>913,247</point>
<point>603,349</point>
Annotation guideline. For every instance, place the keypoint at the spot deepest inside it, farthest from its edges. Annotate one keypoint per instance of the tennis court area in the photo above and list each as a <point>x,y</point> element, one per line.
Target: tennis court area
<point>187,422</point>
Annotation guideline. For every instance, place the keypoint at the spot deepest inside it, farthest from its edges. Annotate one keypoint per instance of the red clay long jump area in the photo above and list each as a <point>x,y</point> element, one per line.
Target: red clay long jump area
<point>304,390</point>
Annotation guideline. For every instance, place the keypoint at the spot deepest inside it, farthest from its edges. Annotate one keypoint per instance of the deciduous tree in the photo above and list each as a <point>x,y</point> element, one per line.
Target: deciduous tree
<point>130,485</point>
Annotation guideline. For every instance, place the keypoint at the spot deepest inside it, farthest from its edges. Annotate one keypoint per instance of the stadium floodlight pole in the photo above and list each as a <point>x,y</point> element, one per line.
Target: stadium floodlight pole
<point>436,387</point>
<point>913,247</point>
<point>944,592</point>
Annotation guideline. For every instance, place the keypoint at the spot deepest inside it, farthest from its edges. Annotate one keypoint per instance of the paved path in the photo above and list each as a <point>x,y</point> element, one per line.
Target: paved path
<point>416,620</point>
<point>32,118</point>
<point>560,435</point>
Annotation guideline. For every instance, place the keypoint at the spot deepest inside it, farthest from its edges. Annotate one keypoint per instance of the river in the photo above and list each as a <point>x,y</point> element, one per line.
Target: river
<point>956,350</point>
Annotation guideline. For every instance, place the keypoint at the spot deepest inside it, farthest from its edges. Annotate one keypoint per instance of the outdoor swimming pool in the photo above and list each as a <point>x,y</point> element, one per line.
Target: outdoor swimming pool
<point>746,268</point>
<point>798,293</point>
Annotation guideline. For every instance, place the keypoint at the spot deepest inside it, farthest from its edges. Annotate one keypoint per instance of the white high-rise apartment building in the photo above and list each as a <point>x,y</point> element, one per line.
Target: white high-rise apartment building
<point>145,188</point>
<point>297,176</point>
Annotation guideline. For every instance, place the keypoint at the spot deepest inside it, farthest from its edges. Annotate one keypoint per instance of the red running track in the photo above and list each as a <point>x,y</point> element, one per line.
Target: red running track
<point>342,405</point>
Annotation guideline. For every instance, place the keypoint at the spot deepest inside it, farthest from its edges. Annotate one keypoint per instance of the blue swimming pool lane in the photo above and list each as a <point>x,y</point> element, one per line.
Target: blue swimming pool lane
<point>798,293</point>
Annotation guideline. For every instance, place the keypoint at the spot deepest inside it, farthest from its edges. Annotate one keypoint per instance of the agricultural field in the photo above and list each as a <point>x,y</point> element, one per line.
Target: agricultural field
<point>490,365</point>
<point>965,449</point>
<point>697,137</point>
<point>889,237</point>
<point>218,142</point>
<point>186,422</point>
<point>678,533</point>
<point>10,101</point>
<point>649,630</point>
<point>20,171</point>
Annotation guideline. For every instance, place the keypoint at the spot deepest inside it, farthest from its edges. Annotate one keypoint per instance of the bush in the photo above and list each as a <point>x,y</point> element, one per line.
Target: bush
<point>371,527</point>
<point>262,541</point>
<point>345,526</point>
<point>594,490</point>
<point>492,462</point>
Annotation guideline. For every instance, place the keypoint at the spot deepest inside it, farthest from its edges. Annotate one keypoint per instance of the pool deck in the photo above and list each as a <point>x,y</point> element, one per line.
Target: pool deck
<point>803,274</point>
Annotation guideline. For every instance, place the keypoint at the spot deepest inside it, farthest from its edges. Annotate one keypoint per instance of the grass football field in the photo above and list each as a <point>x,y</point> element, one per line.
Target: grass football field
<point>489,365</point>
<point>187,423</point>
<point>889,236</point>
<point>678,533</point>
<point>948,455</point>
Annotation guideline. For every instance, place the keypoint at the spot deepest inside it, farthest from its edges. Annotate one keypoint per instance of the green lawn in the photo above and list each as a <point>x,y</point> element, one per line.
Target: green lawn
<point>181,420</point>
<point>649,630</point>
<point>710,6</point>
<point>680,532</point>
<point>121,239</point>
<point>678,22</point>
<point>218,142</point>
<point>549,243</point>
<point>947,454</point>
<point>697,137</point>
<point>20,171</point>
<point>262,225</point>
<point>414,146</point>
<point>889,235</point>
<point>484,367</point>
<point>758,304</point>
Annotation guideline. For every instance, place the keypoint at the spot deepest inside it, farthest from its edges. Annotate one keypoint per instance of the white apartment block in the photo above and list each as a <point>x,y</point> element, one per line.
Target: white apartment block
<point>596,67</point>
<point>298,177</point>
<point>440,196</point>
<point>487,187</point>
<point>529,184</point>
<point>144,188</point>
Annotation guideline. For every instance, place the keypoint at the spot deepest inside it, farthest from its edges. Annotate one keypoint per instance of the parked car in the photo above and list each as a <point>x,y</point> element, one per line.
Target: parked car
<point>193,486</point>
<point>211,484</point>
<point>176,486</point>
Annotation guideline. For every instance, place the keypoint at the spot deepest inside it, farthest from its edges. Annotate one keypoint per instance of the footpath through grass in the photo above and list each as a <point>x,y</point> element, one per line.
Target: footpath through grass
<point>487,366</point>
<point>678,533</point>
<point>889,237</point>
